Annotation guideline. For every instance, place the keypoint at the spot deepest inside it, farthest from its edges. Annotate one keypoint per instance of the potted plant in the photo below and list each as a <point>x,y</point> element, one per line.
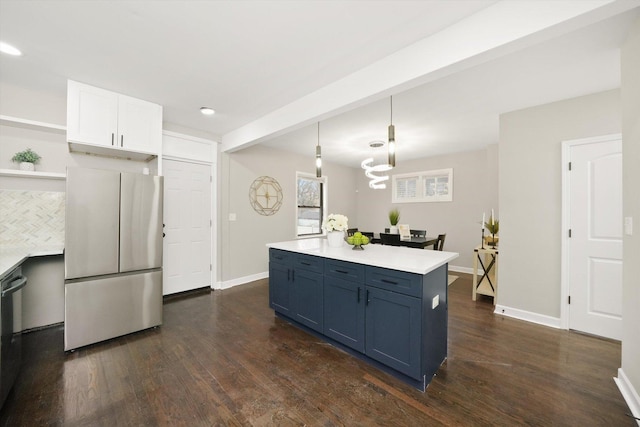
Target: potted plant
<point>335,225</point>
<point>394,217</point>
<point>27,159</point>
<point>493,225</point>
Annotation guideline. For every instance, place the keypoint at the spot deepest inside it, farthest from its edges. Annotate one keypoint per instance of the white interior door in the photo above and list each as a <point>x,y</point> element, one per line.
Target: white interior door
<point>595,246</point>
<point>187,218</point>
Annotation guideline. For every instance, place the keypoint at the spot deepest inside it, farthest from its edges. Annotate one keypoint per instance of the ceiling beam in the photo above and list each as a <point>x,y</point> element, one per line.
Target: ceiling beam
<point>502,28</point>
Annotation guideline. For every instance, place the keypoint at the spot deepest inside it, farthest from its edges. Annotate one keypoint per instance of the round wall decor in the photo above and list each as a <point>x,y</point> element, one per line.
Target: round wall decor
<point>265,195</point>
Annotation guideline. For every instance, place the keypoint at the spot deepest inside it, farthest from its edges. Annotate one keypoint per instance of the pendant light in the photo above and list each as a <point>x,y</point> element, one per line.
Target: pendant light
<point>392,139</point>
<point>318,156</point>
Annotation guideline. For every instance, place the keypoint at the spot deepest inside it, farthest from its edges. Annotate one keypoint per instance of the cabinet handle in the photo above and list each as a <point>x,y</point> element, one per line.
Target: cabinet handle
<point>358,293</point>
<point>305,263</point>
<point>367,297</point>
<point>277,257</point>
<point>112,136</point>
<point>342,271</point>
<point>391,282</point>
<point>121,140</point>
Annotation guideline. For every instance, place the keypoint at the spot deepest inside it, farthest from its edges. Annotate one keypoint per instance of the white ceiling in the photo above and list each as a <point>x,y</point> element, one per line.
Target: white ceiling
<point>246,59</point>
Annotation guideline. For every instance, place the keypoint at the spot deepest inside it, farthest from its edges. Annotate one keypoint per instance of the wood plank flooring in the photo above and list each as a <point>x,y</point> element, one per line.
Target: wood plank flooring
<point>222,358</point>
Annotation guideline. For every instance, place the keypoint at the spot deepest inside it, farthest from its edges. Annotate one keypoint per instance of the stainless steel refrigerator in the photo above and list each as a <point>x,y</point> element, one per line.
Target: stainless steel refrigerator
<point>112,256</point>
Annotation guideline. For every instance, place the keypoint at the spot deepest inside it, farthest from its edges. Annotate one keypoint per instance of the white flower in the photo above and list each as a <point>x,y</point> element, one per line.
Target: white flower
<point>335,222</point>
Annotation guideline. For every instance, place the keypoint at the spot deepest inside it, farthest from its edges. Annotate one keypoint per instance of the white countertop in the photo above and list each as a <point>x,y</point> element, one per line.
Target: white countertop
<point>420,261</point>
<point>13,256</point>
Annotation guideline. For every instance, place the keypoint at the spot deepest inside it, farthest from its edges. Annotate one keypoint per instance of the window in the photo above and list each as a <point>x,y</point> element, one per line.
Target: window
<point>427,186</point>
<point>310,206</point>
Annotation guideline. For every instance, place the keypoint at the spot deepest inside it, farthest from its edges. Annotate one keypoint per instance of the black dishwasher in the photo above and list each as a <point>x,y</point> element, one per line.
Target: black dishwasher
<point>11,318</point>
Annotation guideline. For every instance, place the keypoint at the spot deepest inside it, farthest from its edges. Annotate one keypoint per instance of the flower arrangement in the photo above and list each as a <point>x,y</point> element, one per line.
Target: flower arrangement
<point>336,222</point>
<point>27,155</point>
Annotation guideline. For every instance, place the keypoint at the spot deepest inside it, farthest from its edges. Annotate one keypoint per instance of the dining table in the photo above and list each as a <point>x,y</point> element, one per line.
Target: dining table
<point>415,242</point>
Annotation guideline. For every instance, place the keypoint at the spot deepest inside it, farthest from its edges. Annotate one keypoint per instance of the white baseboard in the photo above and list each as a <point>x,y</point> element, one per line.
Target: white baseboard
<point>459,269</point>
<point>241,280</point>
<point>629,393</point>
<point>541,319</point>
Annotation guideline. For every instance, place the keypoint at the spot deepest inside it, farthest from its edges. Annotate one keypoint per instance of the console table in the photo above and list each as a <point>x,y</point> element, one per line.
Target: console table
<point>487,284</point>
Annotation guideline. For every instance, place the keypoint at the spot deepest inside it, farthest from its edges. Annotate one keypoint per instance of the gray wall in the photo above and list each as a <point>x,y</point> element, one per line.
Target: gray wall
<point>631,206</point>
<point>243,252</point>
<point>530,194</point>
<point>475,190</point>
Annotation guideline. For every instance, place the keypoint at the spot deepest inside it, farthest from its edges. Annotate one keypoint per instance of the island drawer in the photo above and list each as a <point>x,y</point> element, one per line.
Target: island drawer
<point>393,280</point>
<point>280,257</point>
<point>344,270</point>
<point>309,263</point>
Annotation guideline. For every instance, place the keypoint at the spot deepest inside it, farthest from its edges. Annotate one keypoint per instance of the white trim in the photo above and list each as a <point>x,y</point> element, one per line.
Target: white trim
<point>459,269</point>
<point>189,137</point>
<point>629,393</point>
<point>186,160</point>
<point>528,316</point>
<point>241,280</point>
<point>566,217</point>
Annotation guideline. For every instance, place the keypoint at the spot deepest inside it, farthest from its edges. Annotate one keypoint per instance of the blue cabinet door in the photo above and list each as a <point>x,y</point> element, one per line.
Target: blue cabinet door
<point>344,312</point>
<point>280,284</point>
<point>308,298</point>
<point>393,330</point>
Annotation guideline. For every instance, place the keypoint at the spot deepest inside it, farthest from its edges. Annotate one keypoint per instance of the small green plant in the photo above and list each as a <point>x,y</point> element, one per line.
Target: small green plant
<point>27,155</point>
<point>394,216</point>
<point>493,225</point>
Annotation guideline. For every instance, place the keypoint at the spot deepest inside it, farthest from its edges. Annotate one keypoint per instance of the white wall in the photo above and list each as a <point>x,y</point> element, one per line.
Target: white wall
<point>530,194</point>
<point>631,207</point>
<point>243,242</point>
<point>475,190</point>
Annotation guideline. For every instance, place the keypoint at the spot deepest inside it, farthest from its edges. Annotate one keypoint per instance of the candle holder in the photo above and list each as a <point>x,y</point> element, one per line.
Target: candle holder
<point>493,241</point>
<point>482,239</point>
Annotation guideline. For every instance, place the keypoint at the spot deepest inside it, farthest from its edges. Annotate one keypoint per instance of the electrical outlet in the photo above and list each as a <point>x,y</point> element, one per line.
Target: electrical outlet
<point>628,225</point>
<point>435,302</point>
<point>232,217</point>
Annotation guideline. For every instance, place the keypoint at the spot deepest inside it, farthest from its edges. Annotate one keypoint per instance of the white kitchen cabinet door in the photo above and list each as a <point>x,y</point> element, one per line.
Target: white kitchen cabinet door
<point>108,123</point>
<point>92,115</point>
<point>139,125</point>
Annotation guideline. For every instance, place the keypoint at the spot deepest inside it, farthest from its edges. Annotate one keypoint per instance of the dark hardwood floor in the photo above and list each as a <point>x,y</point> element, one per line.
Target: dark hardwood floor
<point>222,358</point>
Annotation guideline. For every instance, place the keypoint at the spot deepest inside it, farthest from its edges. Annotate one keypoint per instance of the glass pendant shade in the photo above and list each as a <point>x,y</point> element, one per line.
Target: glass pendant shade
<point>392,146</point>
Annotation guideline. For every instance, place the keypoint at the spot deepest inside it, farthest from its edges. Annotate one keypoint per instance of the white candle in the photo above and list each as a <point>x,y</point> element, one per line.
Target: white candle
<point>492,217</point>
<point>482,221</point>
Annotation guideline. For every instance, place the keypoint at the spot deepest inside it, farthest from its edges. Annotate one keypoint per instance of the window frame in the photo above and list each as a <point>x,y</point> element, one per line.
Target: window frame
<point>420,195</point>
<point>323,204</point>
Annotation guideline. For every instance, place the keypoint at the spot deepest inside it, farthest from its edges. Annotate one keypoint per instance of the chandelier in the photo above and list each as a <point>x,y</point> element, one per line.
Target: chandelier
<point>372,171</point>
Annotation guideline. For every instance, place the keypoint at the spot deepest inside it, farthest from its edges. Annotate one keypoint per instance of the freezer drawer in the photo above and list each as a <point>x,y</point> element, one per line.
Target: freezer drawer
<point>97,310</point>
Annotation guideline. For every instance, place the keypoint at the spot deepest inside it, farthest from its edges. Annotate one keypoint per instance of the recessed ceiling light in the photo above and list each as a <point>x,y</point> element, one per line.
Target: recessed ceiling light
<point>207,111</point>
<point>9,50</point>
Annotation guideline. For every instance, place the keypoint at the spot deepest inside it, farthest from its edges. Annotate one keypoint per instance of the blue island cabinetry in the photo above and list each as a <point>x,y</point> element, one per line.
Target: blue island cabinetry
<point>396,320</point>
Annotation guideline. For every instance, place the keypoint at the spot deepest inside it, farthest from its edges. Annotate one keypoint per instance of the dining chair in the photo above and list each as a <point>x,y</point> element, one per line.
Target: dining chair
<point>390,239</point>
<point>418,233</point>
<point>440,243</point>
<point>350,231</point>
<point>369,234</point>
<point>386,230</point>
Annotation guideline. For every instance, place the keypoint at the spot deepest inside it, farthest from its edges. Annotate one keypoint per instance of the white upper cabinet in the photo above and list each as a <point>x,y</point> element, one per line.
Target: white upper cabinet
<point>107,123</point>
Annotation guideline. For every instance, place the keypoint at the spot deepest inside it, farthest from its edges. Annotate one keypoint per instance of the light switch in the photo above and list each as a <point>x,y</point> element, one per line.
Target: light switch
<point>435,302</point>
<point>628,225</point>
<point>232,217</point>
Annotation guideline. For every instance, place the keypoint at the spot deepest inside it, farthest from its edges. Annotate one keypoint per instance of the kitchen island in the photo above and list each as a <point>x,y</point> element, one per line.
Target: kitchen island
<point>386,305</point>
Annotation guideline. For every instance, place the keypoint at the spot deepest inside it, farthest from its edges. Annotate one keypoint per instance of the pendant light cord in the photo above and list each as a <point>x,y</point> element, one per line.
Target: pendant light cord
<point>391,101</point>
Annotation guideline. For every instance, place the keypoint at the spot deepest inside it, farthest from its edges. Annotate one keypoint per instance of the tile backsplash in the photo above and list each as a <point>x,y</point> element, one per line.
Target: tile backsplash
<point>31,218</point>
